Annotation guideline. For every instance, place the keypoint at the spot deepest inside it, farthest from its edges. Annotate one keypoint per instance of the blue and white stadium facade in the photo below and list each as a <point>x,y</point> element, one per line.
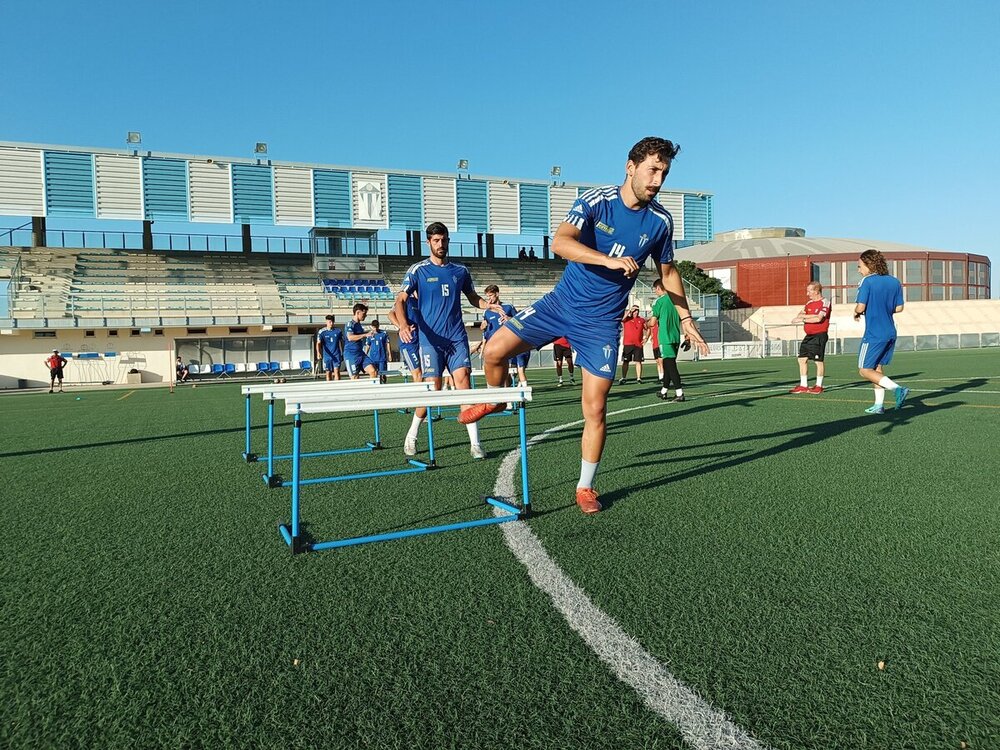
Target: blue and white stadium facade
<point>70,182</point>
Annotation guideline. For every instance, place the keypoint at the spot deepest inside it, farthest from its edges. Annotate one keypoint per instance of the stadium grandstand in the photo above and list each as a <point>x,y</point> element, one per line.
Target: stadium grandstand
<point>127,299</point>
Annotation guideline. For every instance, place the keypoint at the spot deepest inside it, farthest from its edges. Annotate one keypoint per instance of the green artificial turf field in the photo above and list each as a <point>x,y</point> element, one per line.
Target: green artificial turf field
<point>768,550</point>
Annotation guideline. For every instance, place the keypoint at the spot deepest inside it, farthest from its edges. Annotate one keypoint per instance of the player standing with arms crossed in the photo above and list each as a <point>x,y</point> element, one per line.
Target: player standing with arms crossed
<point>815,317</point>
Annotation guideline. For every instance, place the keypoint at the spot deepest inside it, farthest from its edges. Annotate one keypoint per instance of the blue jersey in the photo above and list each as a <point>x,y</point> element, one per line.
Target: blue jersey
<point>881,295</point>
<point>439,291</point>
<point>378,346</point>
<point>330,341</point>
<point>608,226</point>
<point>353,348</point>
<point>493,322</point>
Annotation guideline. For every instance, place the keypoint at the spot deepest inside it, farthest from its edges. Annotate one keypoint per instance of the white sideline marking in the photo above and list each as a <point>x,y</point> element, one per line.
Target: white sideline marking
<point>702,725</point>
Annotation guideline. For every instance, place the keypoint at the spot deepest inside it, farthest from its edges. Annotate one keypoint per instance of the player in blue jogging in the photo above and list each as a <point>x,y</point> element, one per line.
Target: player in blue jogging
<point>378,349</point>
<point>880,296</point>
<point>354,352</point>
<point>492,321</point>
<point>329,349</point>
<point>606,238</point>
<point>444,344</point>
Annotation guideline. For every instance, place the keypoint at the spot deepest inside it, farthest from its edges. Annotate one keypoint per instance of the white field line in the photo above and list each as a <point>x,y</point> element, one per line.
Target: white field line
<point>703,726</point>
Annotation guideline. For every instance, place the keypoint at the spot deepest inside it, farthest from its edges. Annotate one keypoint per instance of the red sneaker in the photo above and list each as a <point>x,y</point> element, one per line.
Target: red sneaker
<point>816,389</point>
<point>478,411</point>
<point>586,498</point>
<point>799,389</point>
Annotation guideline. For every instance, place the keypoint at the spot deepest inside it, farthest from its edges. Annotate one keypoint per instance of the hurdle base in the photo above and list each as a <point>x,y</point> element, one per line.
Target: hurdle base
<point>295,543</point>
<point>523,513</point>
<point>250,458</point>
<point>272,480</point>
<point>375,446</point>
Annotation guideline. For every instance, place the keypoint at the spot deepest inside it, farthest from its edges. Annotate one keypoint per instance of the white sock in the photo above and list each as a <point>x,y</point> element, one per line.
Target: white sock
<point>879,396</point>
<point>473,433</point>
<point>679,392</point>
<point>414,428</point>
<point>560,378</point>
<point>663,391</point>
<point>587,471</point>
<point>819,381</point>
<point>887,384</point>
<point>804,381</point>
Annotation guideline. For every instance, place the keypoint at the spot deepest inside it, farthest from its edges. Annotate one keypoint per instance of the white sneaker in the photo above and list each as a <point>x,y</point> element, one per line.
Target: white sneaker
<point>410,446</point>
<point>559,384</point>
<point>477,451</point>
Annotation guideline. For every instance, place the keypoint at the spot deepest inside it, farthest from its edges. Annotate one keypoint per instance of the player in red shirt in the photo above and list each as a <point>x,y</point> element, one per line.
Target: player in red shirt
<point>55,363</point>
<point>561,350</point>
<point>634,335</point>
<point>816,319</point>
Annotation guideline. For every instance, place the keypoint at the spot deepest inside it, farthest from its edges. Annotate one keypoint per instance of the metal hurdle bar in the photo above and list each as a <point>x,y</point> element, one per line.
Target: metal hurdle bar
<point>334,403</point>
<point>349,389</point>
<point>248,390</point>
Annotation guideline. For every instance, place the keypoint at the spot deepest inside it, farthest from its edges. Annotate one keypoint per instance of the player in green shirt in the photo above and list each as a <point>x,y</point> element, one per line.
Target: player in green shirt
<point>667,321</point>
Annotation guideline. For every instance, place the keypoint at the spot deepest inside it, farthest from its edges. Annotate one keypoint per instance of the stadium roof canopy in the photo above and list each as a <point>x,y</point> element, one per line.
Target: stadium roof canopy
<point>762,244</point>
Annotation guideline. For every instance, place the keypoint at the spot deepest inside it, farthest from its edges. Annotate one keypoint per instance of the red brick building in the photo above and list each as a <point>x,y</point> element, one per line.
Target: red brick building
<point>772,267</point>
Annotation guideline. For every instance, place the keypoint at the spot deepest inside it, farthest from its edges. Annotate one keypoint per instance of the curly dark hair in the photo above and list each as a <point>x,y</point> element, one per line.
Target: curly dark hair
<point>875,262</point>
<point>651,145</point>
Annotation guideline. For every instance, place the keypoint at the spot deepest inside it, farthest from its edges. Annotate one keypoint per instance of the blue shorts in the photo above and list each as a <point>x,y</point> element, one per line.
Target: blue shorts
<point>437,355</point>
<point>521,360</point>
<point>594,342</point>
<point>357,363</point>
<point>875,353</point>
<point>331,364</point>
<point>381,365</point>
<point>409,354</point>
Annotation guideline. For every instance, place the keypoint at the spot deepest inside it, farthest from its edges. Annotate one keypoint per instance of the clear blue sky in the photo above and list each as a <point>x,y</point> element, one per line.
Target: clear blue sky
<point>849,119</point>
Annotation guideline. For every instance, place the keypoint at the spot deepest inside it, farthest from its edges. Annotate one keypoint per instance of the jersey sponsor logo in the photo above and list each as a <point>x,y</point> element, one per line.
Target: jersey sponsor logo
<point>617,250</point>
<point>605,228</point>
<point>432,278</point>
<point>516,323</point>
<point>643,239</point>
<point>606,368</point>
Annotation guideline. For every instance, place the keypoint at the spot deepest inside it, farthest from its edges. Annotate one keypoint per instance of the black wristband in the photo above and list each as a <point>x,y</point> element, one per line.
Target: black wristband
<point>687,318</point>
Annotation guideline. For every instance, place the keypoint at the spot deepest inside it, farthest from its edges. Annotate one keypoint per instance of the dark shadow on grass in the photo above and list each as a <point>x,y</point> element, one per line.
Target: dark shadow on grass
<point>796,437</point>
<point>152,438</point>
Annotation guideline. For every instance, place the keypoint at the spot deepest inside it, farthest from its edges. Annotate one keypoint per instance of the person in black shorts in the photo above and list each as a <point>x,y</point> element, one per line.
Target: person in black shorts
<point>56,362</point>
<point>815,317</point>
<point>561,350</point>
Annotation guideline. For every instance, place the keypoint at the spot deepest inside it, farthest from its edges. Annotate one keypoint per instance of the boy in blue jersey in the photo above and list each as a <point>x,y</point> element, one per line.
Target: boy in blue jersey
<point>444,345</point>
<point>378,349</point>
<point>329,348</point>
<point>354,353</point>
<point>607,236</point>
<point>880,296</point>
<point>491,324</point>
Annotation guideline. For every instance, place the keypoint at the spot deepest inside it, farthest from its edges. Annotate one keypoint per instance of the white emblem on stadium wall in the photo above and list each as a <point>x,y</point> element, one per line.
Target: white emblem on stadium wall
<point>370,201</point>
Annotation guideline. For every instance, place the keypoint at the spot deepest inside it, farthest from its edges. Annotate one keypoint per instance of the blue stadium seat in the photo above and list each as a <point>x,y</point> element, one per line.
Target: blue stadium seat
<point>263,368</point>
<point>275,368</point>
<point>230,370</point>
<point>306,367</point>
<point>219,371</point>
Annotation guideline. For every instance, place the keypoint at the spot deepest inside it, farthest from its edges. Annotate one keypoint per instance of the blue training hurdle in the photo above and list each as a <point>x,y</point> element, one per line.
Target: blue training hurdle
<point>379,399</point>
<point>272,392</point>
